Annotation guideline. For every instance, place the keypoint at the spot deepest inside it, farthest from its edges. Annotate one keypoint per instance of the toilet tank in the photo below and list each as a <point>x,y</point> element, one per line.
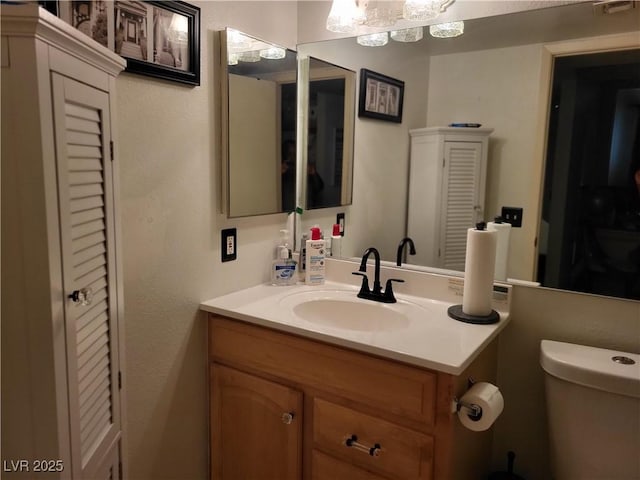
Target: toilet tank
<point>593,411</point>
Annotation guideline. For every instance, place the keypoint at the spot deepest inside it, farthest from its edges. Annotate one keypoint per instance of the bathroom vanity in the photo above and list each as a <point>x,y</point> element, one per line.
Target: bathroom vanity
<point>293,397</point>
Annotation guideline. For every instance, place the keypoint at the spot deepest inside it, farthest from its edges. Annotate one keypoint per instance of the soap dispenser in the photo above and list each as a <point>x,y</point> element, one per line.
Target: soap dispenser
<point>283,268</point>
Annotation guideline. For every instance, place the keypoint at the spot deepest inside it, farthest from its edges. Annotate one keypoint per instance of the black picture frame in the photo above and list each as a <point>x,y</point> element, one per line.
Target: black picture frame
<point>156,47</point>
<point>381,97</point>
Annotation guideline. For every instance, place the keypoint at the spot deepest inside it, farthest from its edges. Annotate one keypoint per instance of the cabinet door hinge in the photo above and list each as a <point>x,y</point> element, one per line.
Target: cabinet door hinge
<point>439,254</point>
<point>120,470</point>
<point>111,149</point>
<point>119,380</point>
<point>443,160</point>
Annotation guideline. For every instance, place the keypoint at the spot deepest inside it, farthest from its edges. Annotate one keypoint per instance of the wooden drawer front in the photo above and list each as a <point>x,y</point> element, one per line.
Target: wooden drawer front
<point>403,454</point>
<point>391,387</point>
<point>325,467</point>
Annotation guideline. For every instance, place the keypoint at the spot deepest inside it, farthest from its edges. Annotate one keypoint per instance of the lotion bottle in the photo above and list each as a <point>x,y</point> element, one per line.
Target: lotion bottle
<point>336,241</point>
<point>315,253</point>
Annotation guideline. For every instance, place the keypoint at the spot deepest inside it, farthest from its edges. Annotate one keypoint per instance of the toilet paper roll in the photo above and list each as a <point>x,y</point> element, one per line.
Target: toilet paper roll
<point>488,397</point>
<point>503,232</point>
<point>478,272</point>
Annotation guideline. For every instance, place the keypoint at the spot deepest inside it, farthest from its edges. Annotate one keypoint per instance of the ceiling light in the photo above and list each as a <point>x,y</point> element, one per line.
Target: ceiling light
<point>374,39</point>
<point>447,30</point>
<point>421,9</point>
<point>273,53</point>
<point>407,35</point>
<point>343,16</point>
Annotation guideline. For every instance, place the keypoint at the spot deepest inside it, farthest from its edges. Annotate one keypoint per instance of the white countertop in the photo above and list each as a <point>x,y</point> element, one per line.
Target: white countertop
<point>432,340</point>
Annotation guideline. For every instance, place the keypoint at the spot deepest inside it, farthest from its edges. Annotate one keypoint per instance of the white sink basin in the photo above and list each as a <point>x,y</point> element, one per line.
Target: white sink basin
<point>344,310</point>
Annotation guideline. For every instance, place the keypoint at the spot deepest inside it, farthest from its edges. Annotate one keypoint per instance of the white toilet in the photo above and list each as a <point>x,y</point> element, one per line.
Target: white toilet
<point>593,409</point>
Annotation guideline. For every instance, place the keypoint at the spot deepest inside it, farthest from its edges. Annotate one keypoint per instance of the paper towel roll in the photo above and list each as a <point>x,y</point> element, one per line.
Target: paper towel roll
<point>503,232</point>
<point>478,272</point>
<point>488,397</point>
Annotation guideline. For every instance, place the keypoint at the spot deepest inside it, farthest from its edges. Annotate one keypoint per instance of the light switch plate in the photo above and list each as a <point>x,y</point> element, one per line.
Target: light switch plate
<point>229,244</point>
<point>512,215</point>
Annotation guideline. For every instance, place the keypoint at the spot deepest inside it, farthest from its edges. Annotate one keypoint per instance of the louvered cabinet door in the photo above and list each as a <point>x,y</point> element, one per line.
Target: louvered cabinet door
<point>85,195</point>
<point>462,200</point>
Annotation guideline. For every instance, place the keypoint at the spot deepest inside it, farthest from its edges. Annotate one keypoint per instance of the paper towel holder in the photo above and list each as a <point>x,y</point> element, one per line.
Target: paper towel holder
<point>455,312</point>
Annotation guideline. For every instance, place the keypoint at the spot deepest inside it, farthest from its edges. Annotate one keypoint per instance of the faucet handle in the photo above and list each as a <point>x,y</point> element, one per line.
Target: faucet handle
<point>365,282</point>
<point>388,290</point>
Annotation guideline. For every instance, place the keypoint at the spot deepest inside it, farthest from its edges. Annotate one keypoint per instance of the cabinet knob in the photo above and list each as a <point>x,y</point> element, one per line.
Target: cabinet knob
<point>84,296</point>
<point>287,418</point>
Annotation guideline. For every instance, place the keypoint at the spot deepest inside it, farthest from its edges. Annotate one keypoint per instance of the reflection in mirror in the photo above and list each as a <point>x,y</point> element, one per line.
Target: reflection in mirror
<point>261,124</point>
<point>490,75</point>
<point>331,92</point>
<point>590,240</point>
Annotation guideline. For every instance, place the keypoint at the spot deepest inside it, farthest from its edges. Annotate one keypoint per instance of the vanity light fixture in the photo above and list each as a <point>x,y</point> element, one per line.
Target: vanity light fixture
<point>447,30</point>
<point>407,35</point>
<point>374,39</point>
<point>273,53</point>
<point>346,16</point>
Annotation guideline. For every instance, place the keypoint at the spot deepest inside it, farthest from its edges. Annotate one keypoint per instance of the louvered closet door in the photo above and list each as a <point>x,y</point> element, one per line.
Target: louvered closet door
<point>462,201</point>
<point>83,154</point>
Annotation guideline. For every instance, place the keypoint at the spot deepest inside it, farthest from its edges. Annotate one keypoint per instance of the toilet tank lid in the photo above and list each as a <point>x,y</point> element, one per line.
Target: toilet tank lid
<point>592,367</point>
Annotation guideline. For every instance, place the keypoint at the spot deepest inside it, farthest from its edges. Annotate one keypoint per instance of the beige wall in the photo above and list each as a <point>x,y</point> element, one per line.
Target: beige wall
<point>170,185</point>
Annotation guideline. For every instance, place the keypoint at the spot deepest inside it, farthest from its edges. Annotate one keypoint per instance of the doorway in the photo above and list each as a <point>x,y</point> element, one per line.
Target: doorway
<point>590,229</point>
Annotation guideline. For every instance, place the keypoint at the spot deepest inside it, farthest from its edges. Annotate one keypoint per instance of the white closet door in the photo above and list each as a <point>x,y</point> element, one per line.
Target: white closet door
<point>83,152</point>
<point>461,200</point>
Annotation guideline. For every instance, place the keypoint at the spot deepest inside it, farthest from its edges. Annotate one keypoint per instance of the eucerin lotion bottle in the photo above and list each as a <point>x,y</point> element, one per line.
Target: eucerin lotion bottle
<point>314,273</point>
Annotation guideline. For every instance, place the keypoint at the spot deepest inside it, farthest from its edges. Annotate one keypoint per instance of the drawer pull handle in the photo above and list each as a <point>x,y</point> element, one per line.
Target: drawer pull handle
<point>287,418</point>
<point>352,441</point>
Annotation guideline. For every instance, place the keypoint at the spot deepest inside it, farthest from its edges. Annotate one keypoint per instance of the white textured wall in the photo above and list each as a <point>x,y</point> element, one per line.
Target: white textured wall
<point>170,186</point>
<point>498,88</point>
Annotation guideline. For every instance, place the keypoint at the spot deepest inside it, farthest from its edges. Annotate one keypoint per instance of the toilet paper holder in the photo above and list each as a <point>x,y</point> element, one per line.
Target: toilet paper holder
<point>475,411</point>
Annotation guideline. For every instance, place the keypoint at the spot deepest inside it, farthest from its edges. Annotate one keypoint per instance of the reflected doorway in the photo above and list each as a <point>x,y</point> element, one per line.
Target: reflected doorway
<point>590,228</point>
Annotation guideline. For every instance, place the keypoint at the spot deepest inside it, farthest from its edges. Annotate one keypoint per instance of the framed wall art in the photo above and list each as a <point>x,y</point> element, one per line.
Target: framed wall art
<point>381,97</point>
<point>157,38</point>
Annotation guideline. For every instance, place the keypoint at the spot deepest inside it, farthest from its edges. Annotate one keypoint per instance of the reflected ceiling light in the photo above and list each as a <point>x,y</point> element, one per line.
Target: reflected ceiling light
<point>232,59</point>
<point>273,53</point>
<point>407,35</point>
<point>251,56</point>
<point>447,30</point>
<point>236,40</point>
<point>374,39</point>
<point>420,10</point>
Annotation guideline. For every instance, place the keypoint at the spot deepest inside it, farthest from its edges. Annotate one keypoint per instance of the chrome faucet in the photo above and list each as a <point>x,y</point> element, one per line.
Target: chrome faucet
<point>412,249</point>
<point>377,295</point>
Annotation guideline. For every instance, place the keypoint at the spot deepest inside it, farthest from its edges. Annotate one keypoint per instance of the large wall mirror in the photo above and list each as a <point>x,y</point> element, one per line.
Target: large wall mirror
<point>492,75</point>
<point>260,121</point>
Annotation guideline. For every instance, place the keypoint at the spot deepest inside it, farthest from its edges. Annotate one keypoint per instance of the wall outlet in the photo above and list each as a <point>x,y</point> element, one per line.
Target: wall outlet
<point>512,215</point>
<point>228,244</point>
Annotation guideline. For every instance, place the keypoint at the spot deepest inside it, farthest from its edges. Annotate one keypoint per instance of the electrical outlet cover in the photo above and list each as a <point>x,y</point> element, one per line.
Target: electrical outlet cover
<point>228,244</point>
<point>512,215</point>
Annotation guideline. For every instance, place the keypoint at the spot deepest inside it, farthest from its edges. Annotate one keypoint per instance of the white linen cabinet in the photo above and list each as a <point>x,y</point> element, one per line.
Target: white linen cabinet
<point>447,178</point>
<point>62,315</point>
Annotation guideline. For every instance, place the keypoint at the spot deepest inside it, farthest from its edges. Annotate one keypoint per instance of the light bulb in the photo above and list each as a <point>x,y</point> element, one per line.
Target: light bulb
<point>373,39</point>
<point>447,30</point>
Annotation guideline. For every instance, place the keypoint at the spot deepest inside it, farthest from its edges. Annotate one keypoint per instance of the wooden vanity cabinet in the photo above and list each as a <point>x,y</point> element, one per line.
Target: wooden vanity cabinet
<point>288,407</point>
